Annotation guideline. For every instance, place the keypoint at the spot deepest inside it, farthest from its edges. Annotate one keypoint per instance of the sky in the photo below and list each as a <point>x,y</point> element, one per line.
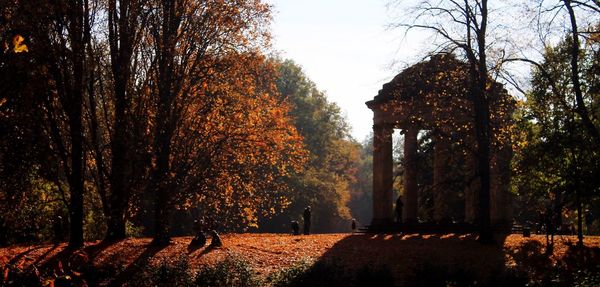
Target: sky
<point>345,48</point>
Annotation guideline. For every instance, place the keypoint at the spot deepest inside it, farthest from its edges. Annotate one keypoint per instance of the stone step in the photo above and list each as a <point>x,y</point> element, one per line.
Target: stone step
<point>426,228</point>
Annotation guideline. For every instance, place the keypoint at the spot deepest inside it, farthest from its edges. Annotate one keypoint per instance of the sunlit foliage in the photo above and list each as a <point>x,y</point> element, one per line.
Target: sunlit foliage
<point>556,157</point>
<point>333,157</point>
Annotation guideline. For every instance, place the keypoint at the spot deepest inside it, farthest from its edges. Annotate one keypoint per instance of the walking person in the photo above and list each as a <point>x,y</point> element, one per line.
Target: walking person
<point>398,209</point>
<point>306,217</point>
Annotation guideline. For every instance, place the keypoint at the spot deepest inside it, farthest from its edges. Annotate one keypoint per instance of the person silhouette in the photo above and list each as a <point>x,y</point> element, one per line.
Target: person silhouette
<point>399,206</point>
<point>58,228</point>
<point>295,227</point>
<point>215,240</point>
<point>199,239</point>
<point>306,217</point>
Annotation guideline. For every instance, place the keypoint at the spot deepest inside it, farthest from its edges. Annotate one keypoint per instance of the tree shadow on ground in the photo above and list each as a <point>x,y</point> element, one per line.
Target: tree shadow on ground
<point>137,266</point>
<point>530,264</point>
<point>75,258</point>
<point>18,257</point>
<point>50,261</point>
<point>46,253</point>
<point>205,249</point>
<point>411,260</point>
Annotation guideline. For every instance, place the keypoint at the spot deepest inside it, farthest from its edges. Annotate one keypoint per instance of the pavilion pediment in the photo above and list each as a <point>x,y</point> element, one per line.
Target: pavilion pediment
<point>432,93</point>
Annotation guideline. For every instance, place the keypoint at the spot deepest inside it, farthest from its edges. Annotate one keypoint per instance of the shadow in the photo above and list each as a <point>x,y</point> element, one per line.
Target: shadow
<point>19,256</point>
<point>207,249</point>
<point>408,259</point>
<point>93,250</point>
<point>41,257</point>
<point>137,266</point>
<point>193,248</point>
<point>534,266</point>
<point>82,257</point>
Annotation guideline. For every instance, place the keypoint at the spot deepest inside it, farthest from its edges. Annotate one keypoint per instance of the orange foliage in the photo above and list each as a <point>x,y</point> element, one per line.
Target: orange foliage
<point>438,97</point>
<point>236,144</point>
<point>269,253</point>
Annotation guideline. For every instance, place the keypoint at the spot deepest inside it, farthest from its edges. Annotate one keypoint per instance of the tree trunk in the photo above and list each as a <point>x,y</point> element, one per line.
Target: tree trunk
<point>159,185</point>
<point>580,108</point>
<point>96,141</point>
<point>164,121</point>
<point>120,177</point>
<point>483,147</point>
<point>76,177</point>
<point>122,25</point>
<point>482,130</point>
<point>160,180</point>
<point>74,113</point>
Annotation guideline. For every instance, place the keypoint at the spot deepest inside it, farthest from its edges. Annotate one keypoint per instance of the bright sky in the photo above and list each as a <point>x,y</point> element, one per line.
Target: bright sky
<point>345,48</point>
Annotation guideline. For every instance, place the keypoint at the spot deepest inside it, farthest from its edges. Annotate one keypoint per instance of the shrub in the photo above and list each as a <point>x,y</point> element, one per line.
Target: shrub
<point>586,279</point>
<point>229,272</point>
<point>329,273</point>
<point>168,273</point>
<point>287,276</point>
<point>321,273</point>
<point>374,276</point>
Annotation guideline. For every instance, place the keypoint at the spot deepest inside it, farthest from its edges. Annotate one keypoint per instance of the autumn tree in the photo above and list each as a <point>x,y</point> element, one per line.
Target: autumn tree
<point>557,159</point>
<point>125,22</point>
<point>331,169</point>
<point>59,41</point>
<point>236,146</point>
<point>194,41</point>
<point>23,143</point>
<point>577,103</point>
<point>361,192</point>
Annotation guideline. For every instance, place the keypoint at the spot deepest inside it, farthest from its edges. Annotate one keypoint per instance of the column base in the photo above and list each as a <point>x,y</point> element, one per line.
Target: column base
<point>382,225</point>
<point>410,221</point>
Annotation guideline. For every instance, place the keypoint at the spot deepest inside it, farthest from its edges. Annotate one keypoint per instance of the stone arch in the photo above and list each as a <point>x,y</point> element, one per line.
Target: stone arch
<point>434,95</point>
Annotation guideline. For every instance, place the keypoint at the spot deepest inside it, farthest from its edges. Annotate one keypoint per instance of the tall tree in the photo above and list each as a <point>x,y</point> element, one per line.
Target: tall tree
<point>575,53</point>
<point>463,25</point>
<point>555,18</point>
<point>77,14</point>
<point>125,21</point>
<point>62,36</point>
<point>557,159</point>
<point>332,165</point>
<point>191,38</point>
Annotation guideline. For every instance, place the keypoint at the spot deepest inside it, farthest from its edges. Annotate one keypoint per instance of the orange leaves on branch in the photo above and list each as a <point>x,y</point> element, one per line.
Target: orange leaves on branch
<point>18,44</point>
<point>240,143</point>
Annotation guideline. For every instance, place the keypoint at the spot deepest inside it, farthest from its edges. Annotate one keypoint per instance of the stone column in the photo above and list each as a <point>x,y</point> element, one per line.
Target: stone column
<point>382,175</point>
<point>410,176</point>
<point>441,158</point>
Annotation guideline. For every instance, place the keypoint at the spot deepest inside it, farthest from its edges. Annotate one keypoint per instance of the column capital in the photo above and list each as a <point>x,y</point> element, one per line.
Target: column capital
<point>383,127</point>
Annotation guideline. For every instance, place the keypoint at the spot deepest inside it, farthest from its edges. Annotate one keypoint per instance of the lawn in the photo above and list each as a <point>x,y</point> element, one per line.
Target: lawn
<point>407,257</point>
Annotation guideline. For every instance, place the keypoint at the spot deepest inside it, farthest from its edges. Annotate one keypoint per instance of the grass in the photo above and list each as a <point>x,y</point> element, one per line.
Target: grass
<point>285,260</point>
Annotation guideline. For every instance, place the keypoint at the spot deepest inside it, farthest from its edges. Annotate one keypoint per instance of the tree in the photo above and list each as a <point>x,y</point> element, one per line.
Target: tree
<point>62,35</point>
<point>176,99</point>
<point>23,141</point>
<point>326,182</point>
<point>580,107</point>
<point>553,19</point>
<point>558,155</point>
<point>125,21</point>
<point>235,146</point>
<point>191,39</point>
<point>470,18</point>
<point>361,195</point>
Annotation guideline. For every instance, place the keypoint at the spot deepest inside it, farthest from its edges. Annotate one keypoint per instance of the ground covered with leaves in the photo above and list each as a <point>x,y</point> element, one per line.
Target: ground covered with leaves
<point>286,260</point>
